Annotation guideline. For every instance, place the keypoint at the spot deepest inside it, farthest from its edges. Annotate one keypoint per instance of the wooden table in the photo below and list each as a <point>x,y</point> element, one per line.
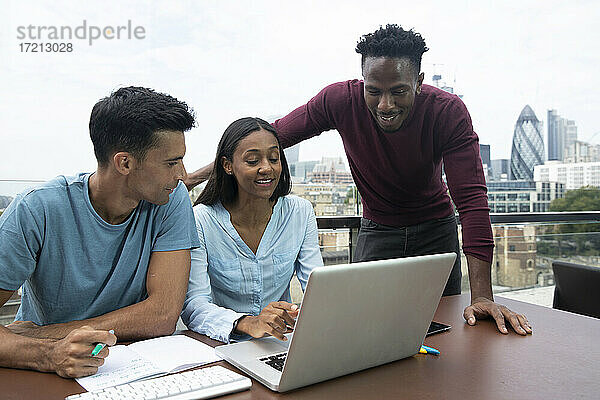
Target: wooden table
<point>561,360</point>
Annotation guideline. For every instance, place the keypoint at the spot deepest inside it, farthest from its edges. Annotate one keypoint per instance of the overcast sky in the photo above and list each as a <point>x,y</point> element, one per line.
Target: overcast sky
<point>229,59</point>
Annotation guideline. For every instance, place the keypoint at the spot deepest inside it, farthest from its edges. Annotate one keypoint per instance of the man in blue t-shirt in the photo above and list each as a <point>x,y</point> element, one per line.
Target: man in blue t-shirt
<point>103,251</point>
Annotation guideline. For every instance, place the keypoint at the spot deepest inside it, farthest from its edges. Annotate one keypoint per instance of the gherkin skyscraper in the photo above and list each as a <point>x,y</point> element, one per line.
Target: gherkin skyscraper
<point>527,146</point>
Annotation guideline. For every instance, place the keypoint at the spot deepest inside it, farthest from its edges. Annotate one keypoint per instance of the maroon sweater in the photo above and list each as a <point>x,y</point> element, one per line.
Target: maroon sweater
<point>399,174</point>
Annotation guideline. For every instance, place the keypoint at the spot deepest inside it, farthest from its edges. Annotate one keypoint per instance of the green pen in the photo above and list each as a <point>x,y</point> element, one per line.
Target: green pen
<point>100,346</point>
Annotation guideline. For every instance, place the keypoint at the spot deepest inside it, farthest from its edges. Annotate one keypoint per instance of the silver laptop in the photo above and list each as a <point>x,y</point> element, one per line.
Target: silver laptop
<point>353,317</point>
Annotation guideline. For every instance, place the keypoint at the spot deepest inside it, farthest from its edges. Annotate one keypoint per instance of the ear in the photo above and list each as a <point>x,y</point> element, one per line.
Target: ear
<point>124,162</point>
<point>420,82</point>
<point>227,166</point>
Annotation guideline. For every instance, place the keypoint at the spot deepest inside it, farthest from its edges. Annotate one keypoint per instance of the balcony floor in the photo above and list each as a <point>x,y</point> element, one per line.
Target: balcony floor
<point>542,296</point>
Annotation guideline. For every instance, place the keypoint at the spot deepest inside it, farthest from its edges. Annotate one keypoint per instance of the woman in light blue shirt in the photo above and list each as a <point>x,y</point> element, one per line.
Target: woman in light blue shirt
<point>253,237</point>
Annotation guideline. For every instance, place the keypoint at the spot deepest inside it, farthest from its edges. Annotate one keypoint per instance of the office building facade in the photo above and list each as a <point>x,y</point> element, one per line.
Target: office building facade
<point>500,169</point>
<point>515,256</point>
<point>300,169</point>
<point>581,152</point>
<point>330,170</point>
<point>527,146</point>
<point>570,133</point>
<point>573,176</point>
<point>556,136</point>
<point>562,134</point>
<point>484,153</point>
<point>523,196</point>
<point>331,176</point>
<point>329,199</point>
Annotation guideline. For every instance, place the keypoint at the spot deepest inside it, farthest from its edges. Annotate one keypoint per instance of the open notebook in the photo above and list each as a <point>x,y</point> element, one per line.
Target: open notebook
<point>149,358</point>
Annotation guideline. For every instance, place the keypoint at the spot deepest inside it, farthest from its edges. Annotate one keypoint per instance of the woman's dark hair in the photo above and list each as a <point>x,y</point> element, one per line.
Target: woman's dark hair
<point>223,187</point>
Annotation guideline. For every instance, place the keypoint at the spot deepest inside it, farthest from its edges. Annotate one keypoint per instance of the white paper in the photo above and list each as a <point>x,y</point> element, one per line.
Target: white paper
<point>121,366</point>
<point>175,353</point>
<point>149,358</point>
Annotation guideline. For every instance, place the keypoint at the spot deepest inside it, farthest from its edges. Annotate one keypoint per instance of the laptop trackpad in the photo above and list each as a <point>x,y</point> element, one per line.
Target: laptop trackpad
<point>270,345</point>
<point>255,348</point>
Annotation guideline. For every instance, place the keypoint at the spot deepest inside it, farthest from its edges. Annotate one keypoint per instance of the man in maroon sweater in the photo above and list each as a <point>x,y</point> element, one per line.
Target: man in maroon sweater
<point>397,133</point>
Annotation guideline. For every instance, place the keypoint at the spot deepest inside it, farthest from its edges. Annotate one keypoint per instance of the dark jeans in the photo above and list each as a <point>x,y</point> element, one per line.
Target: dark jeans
<point>380,242</point>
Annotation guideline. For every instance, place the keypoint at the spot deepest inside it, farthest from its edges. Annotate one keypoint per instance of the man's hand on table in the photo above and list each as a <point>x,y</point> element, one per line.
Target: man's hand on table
<point>71,357</point>
<point>272,320</point>
<point>482,308</point>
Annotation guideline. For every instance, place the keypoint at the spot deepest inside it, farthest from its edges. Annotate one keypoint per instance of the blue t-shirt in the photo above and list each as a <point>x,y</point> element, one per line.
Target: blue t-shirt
<point>72,264</point>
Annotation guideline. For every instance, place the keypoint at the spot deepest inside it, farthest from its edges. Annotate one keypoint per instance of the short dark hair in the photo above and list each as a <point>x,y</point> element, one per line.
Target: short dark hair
<point>223,187</point>
<point>129,119</point>
<point>392,42</point>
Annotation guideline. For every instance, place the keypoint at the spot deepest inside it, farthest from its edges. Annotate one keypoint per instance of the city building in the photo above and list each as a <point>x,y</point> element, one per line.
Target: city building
<point>330,163</point>
<point>328,199</point>
<point>515,256</point>
<point>331,176</point>
<point>330,170</point>
<point>300,169</point>
<point>292,153</point>
<point>579,152</point>
<point>527,146</point>
<point>570,133</point>
<point>484,153</point>
<point>334,246</point>
<point>556,136</point>
<point>499,169</point>
<point>439,83</point>
<point>562,134</point>
<point>331,200</point>
<point>572,175</point>
<point>522,196</point>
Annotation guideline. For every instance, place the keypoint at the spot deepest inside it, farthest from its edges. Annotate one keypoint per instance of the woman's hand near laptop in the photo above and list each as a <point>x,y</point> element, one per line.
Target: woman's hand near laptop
<point>272,320</point>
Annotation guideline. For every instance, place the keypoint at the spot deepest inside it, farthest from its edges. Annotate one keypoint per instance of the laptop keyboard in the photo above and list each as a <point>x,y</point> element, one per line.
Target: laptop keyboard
<point>276,360</point>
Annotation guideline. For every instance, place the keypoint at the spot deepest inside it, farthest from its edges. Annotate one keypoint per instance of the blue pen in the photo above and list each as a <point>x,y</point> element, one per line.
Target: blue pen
<point>431,350</point>
<point>100,346</point>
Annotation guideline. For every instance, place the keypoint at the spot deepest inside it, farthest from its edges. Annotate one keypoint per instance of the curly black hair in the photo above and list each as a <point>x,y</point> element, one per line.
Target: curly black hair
<point>393,42</point>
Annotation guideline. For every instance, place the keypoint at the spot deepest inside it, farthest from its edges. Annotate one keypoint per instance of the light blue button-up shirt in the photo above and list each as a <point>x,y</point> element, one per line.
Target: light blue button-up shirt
<point>228,281</point>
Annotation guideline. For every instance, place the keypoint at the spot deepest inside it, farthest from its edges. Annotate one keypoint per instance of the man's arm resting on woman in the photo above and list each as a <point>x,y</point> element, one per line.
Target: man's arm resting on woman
<point>157,315</point>
<point>195,178</point>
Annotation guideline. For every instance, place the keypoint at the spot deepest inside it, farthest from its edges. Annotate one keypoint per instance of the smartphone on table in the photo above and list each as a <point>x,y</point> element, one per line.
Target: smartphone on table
<point>437,327</point>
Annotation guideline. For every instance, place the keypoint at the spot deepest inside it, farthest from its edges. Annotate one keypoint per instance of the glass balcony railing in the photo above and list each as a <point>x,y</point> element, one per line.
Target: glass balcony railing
<point>9,188</point>
<point>525,246</point>
<point>525,243</point>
